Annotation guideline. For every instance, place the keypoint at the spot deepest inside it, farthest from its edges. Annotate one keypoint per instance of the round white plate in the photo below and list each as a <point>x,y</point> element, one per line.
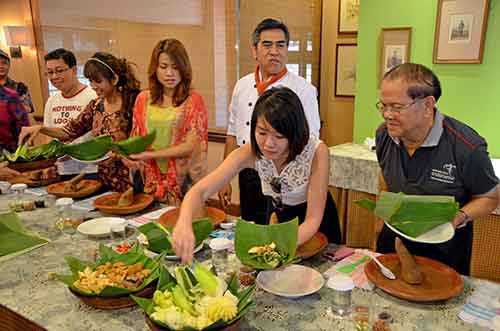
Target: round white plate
<point>292,281</point>
<point>91,161</point>
<point>141,238</point>
<point>439,234</point>
<point>99,227</point>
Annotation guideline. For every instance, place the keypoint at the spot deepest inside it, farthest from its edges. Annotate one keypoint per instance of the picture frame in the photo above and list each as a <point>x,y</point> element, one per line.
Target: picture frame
<point>395,48</point>
<point>460,31</point>
<point>345,70</point>
<point>348,16</point>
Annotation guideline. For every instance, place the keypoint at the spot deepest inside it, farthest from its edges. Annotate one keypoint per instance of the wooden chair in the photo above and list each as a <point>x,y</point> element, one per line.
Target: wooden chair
<point>485,260</point>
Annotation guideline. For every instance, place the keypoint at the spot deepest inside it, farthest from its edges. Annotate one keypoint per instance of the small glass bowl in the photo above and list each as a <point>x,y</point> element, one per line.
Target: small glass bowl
<point>247,275</point>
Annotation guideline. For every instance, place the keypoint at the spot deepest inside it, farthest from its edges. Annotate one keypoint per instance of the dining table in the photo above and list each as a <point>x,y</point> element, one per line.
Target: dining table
<point>27,286</point>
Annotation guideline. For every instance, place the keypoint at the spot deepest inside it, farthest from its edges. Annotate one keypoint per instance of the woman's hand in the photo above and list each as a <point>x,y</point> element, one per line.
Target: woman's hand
<point>29,133</point>
<point>131,164</point>
<point>7,173</point>
<point>183,241</point>
<point>142,156</point>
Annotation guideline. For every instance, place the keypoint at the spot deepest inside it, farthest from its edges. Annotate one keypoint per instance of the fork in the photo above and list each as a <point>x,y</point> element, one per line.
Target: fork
<point>385,271</point>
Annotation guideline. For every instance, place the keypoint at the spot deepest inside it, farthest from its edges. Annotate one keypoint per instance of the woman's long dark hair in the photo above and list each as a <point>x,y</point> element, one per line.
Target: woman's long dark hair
<point>128,85</point>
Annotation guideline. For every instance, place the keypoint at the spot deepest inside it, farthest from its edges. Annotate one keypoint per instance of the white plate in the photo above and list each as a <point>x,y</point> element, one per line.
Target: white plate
<point>92,161</point>
<point>144,241</point>
<point>228,225</point>
<point>99,227</point>
<point>439,234</point>
<point>292,281</point>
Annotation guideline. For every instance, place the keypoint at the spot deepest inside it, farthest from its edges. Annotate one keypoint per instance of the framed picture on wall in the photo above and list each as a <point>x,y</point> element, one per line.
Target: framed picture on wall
<point>395,46</point>
<point>460,31</point>
<point>345,70</point>
<point>348,16</point>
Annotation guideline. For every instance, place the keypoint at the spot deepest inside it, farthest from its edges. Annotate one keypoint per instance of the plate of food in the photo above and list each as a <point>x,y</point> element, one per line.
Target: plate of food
<point>77,187</point>
<point>99,227</point>
<point>157,238</point>
<point>266,246</point>
<point>123,203</point>
<point>213,303</point>
<point>417,278</point>
<point>292,281</point>
<point>143,240</point>
<point>108,283</point>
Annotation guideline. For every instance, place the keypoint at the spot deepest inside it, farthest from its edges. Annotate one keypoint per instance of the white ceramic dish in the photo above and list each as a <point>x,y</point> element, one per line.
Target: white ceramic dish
<point>99,227</point>
<point>141,238</point>
<point>439,234</point>
<point>228,225</point>
<point>92,161</point>
<point>293,281</point>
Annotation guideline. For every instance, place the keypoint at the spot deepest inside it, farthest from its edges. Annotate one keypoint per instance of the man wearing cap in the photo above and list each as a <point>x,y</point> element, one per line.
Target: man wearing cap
<point>20,88</point>
<point>270,41</point>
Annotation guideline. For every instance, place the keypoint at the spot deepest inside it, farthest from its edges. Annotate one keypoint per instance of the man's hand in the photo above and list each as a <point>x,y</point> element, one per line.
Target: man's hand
<point>29,133</point>
<point>7,173</point>
<point>460,220</point>
<point>225,196</point>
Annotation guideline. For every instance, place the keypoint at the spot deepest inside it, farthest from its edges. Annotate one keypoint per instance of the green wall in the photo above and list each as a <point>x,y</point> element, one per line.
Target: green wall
<point>471,92</point>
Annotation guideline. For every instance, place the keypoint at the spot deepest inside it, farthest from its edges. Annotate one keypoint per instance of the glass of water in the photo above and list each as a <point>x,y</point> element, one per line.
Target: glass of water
<point>118,233</point>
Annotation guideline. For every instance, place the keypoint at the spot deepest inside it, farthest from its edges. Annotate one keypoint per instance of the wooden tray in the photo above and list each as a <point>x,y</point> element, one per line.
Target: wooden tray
<point>169,218</point>
<point>440,281</point>
<point>34,165</point>
<point>155,327</point>
<point>108,204</point>
<point>35,183</point>
<point>313,246</point>
<point>115,302</point>
<point>90,187</point>
<point>12,321</point>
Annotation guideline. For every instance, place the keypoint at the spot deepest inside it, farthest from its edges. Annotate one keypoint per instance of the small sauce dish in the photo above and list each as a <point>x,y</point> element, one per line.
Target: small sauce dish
<point>228,225</point>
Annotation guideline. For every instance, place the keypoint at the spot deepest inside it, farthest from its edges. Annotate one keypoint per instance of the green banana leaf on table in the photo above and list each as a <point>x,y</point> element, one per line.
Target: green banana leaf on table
<point>283,235</point>
<point>159,238</point>
<point>107,254</point>
<point>15,239</point>
<point>25,153</point>
<point>413,215</point>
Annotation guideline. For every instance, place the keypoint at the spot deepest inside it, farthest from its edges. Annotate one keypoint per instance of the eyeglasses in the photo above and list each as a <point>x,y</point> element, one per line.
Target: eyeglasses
<point>395,108</point>
<point>276,187</point>
<point>57,72</point>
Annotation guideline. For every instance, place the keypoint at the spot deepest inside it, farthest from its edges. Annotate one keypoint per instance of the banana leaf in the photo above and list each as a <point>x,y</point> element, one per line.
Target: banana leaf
<point>167,281</point>
<point>24,153</point>
<point>413,215</point>
<point>159,241</point>
<point>14,238</point>
<point>134,145</point>
<point>249,235</point>
<point>89,150</point>
<point>107,254</point>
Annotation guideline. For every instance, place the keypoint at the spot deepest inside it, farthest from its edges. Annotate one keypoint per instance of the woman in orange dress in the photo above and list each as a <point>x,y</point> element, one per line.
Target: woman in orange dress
<point>178,157</point>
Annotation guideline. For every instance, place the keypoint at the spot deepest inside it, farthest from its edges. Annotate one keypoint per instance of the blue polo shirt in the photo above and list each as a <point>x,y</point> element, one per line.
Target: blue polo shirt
<point>453,160</point>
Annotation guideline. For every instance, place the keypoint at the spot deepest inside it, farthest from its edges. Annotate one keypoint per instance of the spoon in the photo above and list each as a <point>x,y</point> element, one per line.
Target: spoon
<point>385,271</point>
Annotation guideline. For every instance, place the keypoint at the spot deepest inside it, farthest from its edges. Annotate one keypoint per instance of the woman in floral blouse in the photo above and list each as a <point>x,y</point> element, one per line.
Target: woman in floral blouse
<point>178,157</point>
<point>110,114</point>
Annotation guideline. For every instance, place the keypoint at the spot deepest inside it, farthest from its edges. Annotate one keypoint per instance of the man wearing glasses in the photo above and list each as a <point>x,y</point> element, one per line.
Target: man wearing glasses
<point>67,103</point>
<point>270,41</point>
<point>424,152</point>
<point>20,88</point>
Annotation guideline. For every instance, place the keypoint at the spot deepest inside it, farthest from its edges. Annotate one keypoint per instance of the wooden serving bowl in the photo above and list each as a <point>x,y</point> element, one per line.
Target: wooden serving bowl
<point>155,327</point>
<point>169,218</point>
<point>109,204</point>
<point>313,246</point>
<point>34,165</point>
<point>110,303</point>
<point>440,282</point>
<point>90,186</point>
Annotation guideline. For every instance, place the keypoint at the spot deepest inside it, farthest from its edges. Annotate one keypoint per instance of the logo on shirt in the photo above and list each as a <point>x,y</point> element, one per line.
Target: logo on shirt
<point>444,175</point>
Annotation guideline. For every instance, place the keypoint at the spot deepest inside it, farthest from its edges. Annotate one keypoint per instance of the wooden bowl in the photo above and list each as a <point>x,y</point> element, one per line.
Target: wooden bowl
<point>110,303</point>
<point>155,327</point>
<point>169,218</point>
<point>109,204</point>
<point>313,246</point>
<point>440,282</point>
<point>90,186</point>
<point>34,165</point>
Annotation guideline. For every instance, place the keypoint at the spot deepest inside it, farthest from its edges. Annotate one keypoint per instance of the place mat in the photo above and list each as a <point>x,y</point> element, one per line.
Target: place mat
<point>148,217</point>
<point>483,306</point>
<point>354,267</point>
<point>15,239</point>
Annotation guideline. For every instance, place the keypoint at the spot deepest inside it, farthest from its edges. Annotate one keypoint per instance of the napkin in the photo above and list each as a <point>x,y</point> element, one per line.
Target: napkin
<point>151,216</point>
<point>482,307</point>
<point>354,267</point>
<point>15,239</point>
